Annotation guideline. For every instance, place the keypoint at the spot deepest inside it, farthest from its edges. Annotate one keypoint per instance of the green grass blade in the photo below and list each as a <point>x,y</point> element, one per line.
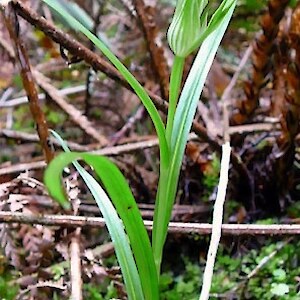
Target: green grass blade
<point>137,87</point>
<point>182,124</point>
<point>124,255</point>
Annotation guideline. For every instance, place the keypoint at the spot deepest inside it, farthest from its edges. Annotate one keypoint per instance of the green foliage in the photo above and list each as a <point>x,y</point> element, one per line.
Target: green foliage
<point>55,117</point>
<point>102,291</point>
<point>252,5</point>
<point>58,271</point>
<point>7,291</point>
<point>121,194</point>
<point>277,279</point>
<point>22,122</point>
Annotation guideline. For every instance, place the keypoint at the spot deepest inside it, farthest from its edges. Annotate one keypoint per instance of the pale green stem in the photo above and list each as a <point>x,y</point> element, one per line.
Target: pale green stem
<point>159,232</point>
<point>165,199</point>
<point>175,84</point>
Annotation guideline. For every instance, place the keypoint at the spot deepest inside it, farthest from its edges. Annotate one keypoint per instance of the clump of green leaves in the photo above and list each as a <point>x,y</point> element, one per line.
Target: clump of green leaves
<point>102,291</point>
<point>182,286</point>
<point>277,279</point>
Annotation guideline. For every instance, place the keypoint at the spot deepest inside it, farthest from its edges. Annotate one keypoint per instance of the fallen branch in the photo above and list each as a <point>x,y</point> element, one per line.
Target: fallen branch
<point>109,151</point>
<point>174,227</point>
<point>31,137</point>
<point>76,116</point>
<point>12,24</point>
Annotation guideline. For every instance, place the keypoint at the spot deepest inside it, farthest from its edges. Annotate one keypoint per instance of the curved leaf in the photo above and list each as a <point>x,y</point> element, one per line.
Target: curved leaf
<point>125,204</point>
<point>114,225</point>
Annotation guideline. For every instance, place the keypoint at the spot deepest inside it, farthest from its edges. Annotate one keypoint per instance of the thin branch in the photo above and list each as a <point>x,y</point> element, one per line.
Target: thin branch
<point>137,116</point>
<point>174,227</point>
<point>12,24</point>
<point>75,266</point>
<point>31,137</point>
<point>226,95</point>
<point>229,88</point>
<point>109,151</point>
<point>44,284</point>
<point>90,73</point>
<point>146,13</point>
<point>42,96</point>
<point>115,150</point>
<point>256,127</point>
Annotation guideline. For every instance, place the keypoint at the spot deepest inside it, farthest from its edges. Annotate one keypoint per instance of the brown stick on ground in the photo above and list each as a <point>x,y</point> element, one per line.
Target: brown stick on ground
<point>76,116</point>
<point>69,221</point>
<point>12,25</point>
<point>75,266</point>
<point>146,15</point>
<point>30,137</point>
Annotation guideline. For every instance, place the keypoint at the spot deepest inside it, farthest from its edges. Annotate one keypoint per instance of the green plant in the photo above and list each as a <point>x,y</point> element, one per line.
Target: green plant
<point>99,292</point>
<point>141,266</point>
<point>7,291</point>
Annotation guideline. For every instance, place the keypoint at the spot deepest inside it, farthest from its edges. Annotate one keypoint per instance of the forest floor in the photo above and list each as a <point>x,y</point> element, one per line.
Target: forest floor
<point>254,83</point>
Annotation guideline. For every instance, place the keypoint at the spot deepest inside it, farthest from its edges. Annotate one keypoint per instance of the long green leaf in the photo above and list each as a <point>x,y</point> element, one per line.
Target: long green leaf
<point>137,87</point>
<point>124,255</point>
<point>120,193</point>
<point>182,124</point>
<point>80,15</point>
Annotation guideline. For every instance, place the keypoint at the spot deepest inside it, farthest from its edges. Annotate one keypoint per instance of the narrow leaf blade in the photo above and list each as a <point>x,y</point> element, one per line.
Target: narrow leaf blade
<point>52,179</point>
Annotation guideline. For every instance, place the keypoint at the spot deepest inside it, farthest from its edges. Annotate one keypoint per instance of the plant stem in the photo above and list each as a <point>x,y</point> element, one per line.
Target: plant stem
<point>175,84</point>
<point>159,233</point>
<point>165,197</point>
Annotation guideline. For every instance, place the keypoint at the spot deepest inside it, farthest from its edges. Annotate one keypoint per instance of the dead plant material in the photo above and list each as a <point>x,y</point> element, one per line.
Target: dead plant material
<point>277,167</point>
<point>263,49</point>
<point>12,24</point>
<point>146,14</point>
<point>37,241</point>
<point>76,116</point>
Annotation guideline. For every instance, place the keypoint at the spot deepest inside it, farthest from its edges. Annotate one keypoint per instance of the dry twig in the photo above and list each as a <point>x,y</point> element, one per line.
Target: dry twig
<point>76,116</point>
<point>174,227</point>
<point>12,24</point>
<point>146,13</point>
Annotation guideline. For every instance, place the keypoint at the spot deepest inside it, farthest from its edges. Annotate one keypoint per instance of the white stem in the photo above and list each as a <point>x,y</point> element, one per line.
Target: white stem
<point>217,222</point>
